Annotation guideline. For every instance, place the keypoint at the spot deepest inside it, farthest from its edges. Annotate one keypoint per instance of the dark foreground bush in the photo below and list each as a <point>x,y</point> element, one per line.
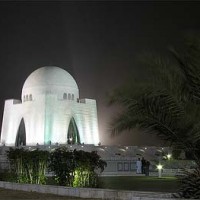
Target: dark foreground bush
<point>190,184</point>
<point>7,176</point>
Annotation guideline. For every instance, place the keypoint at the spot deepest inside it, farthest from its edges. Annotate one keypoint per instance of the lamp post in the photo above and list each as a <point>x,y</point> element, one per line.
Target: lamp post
<point>159,167</point>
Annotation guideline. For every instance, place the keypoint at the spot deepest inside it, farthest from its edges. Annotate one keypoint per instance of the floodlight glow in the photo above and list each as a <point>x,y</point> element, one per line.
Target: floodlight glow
<point>159,166</point>
<point>169,156</point>
<point>50,105</point>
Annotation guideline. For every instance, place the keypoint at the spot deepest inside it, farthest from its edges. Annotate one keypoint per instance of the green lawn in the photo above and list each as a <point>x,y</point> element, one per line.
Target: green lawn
<point>137,183</point>
<point>140,183</point>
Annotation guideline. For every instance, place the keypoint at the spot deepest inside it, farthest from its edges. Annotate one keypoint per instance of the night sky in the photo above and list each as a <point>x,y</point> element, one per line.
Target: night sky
<point>96,42</point>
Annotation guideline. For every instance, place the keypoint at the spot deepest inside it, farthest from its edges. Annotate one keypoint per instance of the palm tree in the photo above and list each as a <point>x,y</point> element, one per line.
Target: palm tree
<point>167,102</point>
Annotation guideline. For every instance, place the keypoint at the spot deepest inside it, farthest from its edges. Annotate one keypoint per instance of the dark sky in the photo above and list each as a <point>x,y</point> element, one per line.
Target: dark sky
<point>96,42</point>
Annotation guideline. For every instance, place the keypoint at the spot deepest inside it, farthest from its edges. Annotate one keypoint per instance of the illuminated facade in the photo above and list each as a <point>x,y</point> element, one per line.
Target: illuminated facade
<point>49,112</point>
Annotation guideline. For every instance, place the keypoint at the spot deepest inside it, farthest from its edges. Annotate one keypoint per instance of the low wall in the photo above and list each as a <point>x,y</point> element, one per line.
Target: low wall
<point>92,193</point>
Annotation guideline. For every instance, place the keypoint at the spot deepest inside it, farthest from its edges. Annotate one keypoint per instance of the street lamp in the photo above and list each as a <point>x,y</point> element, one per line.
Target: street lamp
<point>159,167</point>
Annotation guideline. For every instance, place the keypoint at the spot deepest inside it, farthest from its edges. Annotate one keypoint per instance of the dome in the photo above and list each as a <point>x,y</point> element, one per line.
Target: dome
<point>49,79</point>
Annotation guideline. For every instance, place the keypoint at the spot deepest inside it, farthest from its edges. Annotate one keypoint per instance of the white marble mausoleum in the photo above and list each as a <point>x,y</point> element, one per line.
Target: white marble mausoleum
<point>49,112</point>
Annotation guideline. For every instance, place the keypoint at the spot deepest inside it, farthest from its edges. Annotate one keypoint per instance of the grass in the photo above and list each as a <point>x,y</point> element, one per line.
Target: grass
<point>140,183</point>
<point>137,183</point>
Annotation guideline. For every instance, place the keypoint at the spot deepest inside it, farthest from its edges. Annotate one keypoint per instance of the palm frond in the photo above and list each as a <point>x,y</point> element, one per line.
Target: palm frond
<point>155,111</point>
<point>166,101</point>
<point>190,184</point>
<point>189,63</point>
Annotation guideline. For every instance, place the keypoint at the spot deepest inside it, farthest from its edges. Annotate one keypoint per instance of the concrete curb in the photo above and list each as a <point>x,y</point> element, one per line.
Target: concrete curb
<point>92,193</point>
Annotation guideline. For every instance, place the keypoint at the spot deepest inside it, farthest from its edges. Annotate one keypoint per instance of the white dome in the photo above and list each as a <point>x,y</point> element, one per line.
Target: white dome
<point>49,79</point>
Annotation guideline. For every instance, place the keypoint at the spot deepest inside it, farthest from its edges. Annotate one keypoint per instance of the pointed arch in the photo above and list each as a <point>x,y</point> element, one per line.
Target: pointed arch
<point>21,134</point>
<point>30,97</point>
<point>73,136</point>
<point>65,96</point>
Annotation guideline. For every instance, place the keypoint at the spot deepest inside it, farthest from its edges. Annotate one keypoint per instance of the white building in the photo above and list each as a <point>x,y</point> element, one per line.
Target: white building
<point>49,111</point>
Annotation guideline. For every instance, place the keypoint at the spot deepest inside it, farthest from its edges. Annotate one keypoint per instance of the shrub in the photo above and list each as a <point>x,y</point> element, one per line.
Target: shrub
<point>190,184</point>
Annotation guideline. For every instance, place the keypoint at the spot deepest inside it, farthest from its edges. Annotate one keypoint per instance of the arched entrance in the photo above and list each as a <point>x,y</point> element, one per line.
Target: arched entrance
<point>73,136</point>
<point>21,134</point>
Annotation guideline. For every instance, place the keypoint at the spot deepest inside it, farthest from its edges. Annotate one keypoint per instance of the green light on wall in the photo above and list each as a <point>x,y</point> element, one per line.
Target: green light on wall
<point>73,136</point>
